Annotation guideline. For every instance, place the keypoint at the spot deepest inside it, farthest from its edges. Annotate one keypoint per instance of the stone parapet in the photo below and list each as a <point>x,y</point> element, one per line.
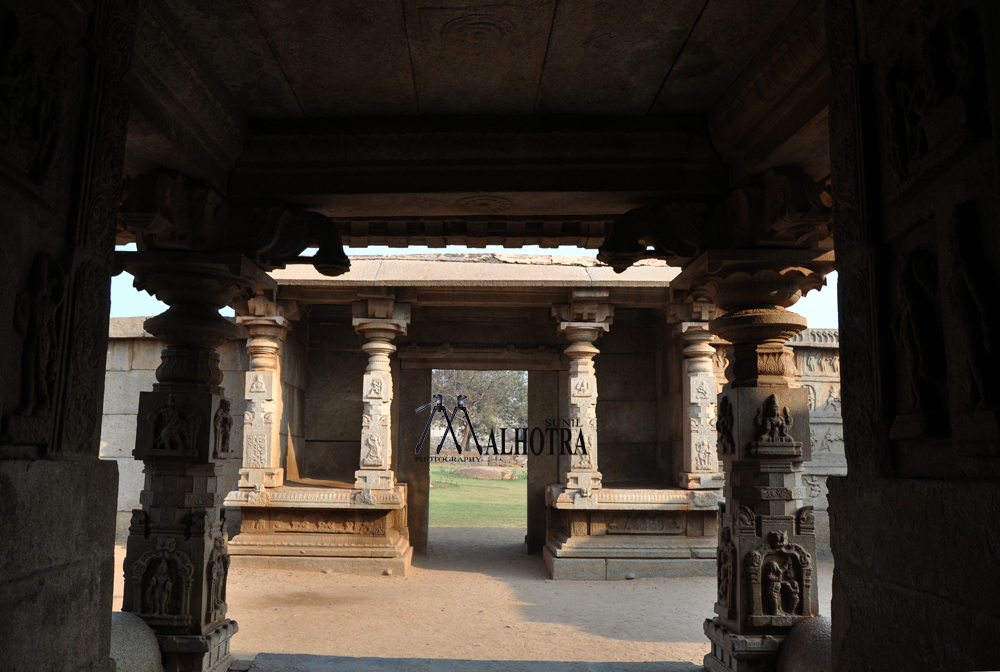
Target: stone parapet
<point>319,498</point>
<point>632,499</point>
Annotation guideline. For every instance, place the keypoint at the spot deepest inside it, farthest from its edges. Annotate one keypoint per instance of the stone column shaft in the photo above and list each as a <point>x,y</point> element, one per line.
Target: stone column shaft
<point>177,559</point>
<point>767,542</point>
<point>262,420</point>
<point>699,460</point>
<point>379,321</point>
<point>582,322</point>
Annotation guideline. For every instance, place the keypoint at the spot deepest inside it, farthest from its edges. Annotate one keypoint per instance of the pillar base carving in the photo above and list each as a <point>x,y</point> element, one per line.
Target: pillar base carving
<point>204,653</point>
<point>733,652</point>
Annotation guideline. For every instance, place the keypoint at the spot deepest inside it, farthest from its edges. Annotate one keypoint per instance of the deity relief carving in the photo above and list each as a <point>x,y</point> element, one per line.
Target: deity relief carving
<point>583,388</point>
<point>174,429</point>
<point>257,385</point>
<point>934,91</point>
<point>782,588</point>
<point>705,460</point>
<point>972,290</point>
<point>772,424</point>
<point>703,391</point>
<point>780,578</point>
<point>36,318</point>
<point>162,584</point>
<point>223,423</point>
<point>374,456</point>
<point>772,429</point>
<point>375,391</point>
<point>725,568</point>
<point>918,332</point>
<point>32,92</point>
<point>218,573</point>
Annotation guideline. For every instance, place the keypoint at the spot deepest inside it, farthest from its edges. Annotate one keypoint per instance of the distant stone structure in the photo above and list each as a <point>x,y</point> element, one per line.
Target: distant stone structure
<point>327,473</point>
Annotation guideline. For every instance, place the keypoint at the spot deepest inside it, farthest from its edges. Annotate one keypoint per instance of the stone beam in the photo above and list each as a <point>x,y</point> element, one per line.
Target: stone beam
<point>457,166</point>
<point>775,112</point>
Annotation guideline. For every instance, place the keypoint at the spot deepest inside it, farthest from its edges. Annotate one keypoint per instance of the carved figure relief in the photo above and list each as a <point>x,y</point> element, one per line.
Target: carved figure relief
<point>218,572</point>
<point>780,577</point>
<point>364,497</point>
<point>932,89</point>
<point>702,392</point>
<point>32,90</point>
<point>972,291</point>
<point>257,386</point>
<point>376,389</point>
<point>704,459</point>
<point>773,424</point>
<point>582,388</point>
<point>832,404</point>
<point>833,440</point>
<point>162,584</point>
<point>782,588</point>
<point>814,484</point>
<point>223,423</point>
<point>374,456</point>
<point>36,318</point>
<point>724,427</point>
<point>918,332</point>
<point>746,520</point>
<point>725,568</point>
<point>174,429</point>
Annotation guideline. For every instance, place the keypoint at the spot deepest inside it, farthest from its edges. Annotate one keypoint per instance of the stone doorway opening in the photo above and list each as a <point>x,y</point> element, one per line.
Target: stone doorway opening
<point>471,490</point>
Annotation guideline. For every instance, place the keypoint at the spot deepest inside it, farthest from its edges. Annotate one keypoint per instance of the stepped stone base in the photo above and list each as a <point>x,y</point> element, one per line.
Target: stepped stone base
<point>379,566</point>
<point>616,569</point>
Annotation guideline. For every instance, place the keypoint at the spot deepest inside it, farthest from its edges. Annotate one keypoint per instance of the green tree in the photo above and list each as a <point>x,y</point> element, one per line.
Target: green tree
<point>495,399</point>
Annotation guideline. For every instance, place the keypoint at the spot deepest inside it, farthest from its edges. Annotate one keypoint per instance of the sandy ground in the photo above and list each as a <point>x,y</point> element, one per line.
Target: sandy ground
<point>476,596</point>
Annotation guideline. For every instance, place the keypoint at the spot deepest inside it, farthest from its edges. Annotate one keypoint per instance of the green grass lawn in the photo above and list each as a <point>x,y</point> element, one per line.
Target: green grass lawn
<point>470,502</point>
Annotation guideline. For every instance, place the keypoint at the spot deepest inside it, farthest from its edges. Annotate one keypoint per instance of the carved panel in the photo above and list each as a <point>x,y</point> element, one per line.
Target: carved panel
<point>646,522</point>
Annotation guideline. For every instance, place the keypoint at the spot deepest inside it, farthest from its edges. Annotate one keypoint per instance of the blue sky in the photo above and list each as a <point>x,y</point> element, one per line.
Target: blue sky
<point>820,308</point>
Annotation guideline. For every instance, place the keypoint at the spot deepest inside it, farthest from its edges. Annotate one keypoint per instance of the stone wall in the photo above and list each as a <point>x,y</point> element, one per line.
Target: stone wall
<point>133,356</point>
<point>817,358</point>
<point>332,397</point>
<point>627,401</point>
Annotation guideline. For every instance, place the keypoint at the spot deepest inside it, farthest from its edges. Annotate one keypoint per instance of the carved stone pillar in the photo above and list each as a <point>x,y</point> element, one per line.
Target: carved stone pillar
<point>261,441</point>
<point>379,321</point>
<point>177,561</point>
<point>699,460</point>
<point>582,322</point>
<point>767,542</point>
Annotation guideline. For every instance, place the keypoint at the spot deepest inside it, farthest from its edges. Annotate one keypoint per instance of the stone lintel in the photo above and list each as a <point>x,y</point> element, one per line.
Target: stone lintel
<point>634,499</point>
<point>320,498</point>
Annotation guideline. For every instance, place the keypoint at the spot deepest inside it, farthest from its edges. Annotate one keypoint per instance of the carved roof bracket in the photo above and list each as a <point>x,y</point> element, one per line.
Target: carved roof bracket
<point>166,210</point>
<point>783,208</point>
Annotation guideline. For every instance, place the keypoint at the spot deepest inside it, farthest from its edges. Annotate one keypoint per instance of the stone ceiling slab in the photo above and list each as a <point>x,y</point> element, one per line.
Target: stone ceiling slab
<point>611,57</point>
<point>341,58</point>
<point>474,57</point>
<point>232,46</point>
<point>725,39</point>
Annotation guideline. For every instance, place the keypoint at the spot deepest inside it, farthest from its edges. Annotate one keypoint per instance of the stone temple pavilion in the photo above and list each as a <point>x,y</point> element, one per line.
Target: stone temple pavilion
<point>754,146</point>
